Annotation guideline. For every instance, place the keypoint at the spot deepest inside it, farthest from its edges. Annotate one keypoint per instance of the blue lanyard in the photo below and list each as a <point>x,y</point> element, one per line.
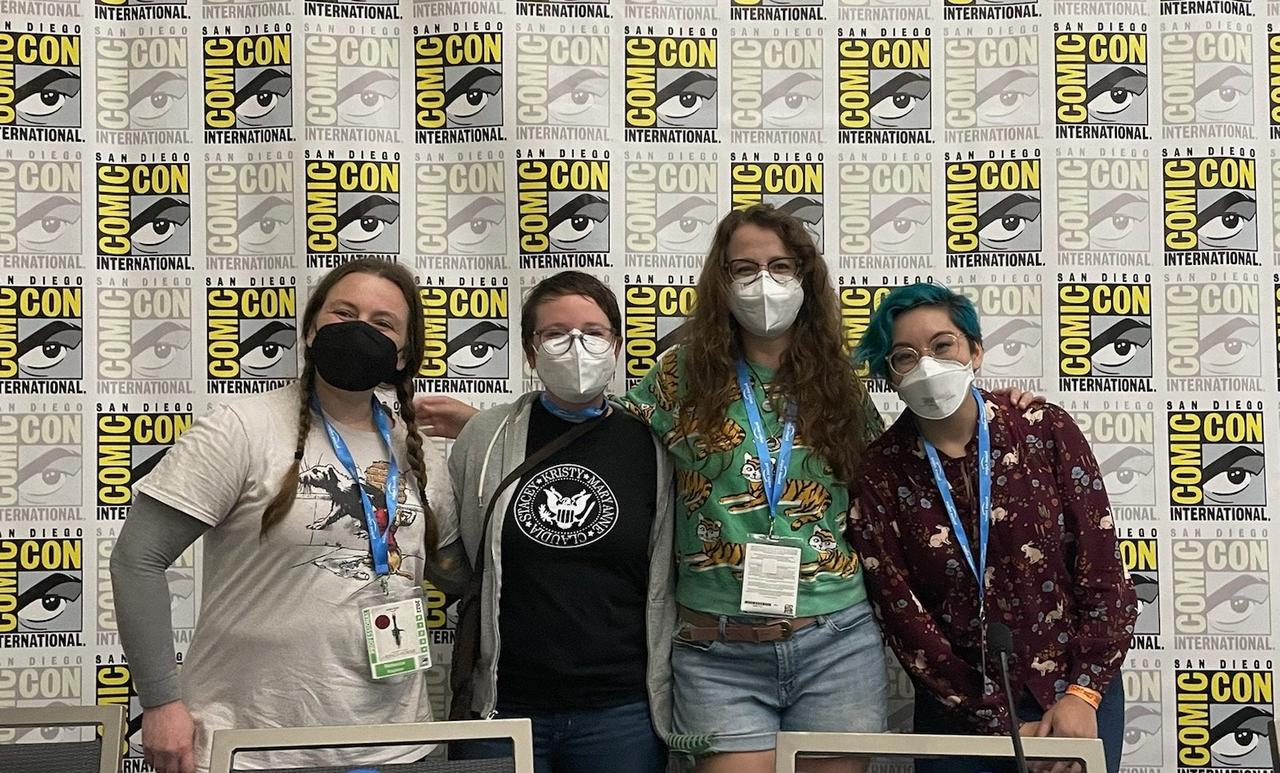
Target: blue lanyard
<point>575,417</point>
<point>979,569</point>
<point>377,541</point>
<point>773,477</point>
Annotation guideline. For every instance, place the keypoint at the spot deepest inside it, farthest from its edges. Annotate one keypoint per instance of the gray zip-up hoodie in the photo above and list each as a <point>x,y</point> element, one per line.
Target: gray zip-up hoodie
<point>490,446</point>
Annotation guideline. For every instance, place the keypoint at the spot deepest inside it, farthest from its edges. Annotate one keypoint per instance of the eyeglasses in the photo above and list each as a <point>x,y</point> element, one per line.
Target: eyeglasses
<point>556,341</point>
<point>904,359</point>
<point>782,269</point>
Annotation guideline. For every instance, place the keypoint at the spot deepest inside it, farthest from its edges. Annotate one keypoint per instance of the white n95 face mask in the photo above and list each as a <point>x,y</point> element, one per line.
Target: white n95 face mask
<point>766,307</point>
<point>577,376</point>
<point>935,389</point>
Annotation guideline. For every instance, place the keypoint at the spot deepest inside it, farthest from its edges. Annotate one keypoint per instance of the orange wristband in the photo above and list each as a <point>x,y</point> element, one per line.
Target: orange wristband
<point>1091,697</point>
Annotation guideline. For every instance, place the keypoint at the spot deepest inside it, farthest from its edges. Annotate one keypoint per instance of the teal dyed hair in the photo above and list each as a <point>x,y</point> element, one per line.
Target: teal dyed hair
<point>878,338</point>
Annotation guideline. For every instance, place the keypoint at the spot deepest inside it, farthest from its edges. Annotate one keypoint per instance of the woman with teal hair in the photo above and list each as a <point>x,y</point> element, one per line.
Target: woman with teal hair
<point>975,514</point>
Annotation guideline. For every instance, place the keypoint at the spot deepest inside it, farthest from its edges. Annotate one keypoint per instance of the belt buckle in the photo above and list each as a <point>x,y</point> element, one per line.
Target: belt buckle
<point>787,629</point>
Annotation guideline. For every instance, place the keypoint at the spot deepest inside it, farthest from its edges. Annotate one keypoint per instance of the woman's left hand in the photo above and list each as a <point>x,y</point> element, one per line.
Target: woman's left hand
<point>1019,398</point>
<point>1070,717</point>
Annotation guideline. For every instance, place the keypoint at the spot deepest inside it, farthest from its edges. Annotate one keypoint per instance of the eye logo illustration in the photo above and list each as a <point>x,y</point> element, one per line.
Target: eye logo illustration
<point>1012,347</point>
<point>900,99</point>
<point>262,97</point>
<point>266,228</point>
<point>47,96</point>
<point>1116,222</point>
<point>580,224</point>
<point>1009,224</point>
<point>1222,96</point>
<point>1142,734</point>
<point>161,227</point>
<point>49,601</point>
<point>160,102</point>
<point>1126,472</point>
<point>1118,96</point>
<point>686,99</point>
<point>476,225</point>
<point>267,350</point>
<point>46,352</point>
<point>1228,345</point>
<point>791,100</point>
<point>474,351</point>
<point>370,98</point>
<point>47,224</point>
<point>1241,739</point>
<point>1233,475</point>
<point>900,225</point>
<point>473,97</point>
<point>581,97</point>
<point>1121,348</point>
<point>808,211</point>
<point>1008,97</point>
<point>52,478</point>
<point>161,349</point>
<point>1225,220</point>
<point>685,227</point>
<point>368,225</point>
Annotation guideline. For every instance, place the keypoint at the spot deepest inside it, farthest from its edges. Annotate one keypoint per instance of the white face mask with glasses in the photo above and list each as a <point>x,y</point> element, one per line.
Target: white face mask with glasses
<point>575,366</point>
<point>765,299</point>
<point>933,386</point>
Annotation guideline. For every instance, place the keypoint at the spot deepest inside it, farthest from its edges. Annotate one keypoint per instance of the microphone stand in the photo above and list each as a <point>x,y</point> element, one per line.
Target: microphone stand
<point>1000,639</point>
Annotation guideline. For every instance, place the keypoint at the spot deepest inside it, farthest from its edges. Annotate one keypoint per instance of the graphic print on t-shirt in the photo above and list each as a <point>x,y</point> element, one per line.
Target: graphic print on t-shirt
<point>339,517</point>
<point>565,506</point>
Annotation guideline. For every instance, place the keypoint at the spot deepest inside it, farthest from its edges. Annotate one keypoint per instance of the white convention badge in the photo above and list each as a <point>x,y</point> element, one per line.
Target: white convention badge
<point>771,576</point>
<point>396,638</point>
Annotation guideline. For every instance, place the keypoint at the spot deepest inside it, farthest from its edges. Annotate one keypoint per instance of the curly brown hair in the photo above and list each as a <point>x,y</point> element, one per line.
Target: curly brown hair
<point>816,371</point>
<point>414,345</point>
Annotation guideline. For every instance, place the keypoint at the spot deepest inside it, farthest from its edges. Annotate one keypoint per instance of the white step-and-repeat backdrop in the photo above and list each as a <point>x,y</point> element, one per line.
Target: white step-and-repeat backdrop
<point>1099,175</point>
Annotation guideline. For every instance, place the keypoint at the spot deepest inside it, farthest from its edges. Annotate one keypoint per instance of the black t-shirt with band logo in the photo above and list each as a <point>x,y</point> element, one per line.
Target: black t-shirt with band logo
<point>575,569</point>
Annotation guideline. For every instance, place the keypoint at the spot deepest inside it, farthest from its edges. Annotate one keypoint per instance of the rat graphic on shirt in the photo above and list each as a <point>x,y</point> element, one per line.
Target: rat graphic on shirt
<point>346,511</point>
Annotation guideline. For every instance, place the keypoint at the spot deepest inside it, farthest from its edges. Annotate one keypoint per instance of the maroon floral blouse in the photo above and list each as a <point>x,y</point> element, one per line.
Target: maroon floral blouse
<point>1054,573</point>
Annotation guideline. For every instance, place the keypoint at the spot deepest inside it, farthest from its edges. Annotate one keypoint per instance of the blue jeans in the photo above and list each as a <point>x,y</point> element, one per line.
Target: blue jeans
<point>930,717</point>
<point>619,738</point>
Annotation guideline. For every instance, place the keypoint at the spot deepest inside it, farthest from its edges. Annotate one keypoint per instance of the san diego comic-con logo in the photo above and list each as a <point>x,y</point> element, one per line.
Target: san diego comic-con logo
<point>1206,84</point>
<point>40,462</point>
<point>40,86</point>
<point>1140,552</point>
<point>1222,589</point>
<point>353,207</point>
<point>41,329</point>
<point>565,506</point>
<point>1010,307</point>
<point>141,84</point>
<point>130,444</point>
<point>672,85</point>
<point>654,315</point>
<point>352,85</point>
<point>40,201</point>
<point>563,211</point>
<point>775,81</point>
<point>1100,82</point>
<point>993,211</point>
<point>776,10</point>
<point>858,301</point>
<point>1222,714</point>
<point>42,680</point>
<point>468,337</point>
<point>885,88</point>
<point>1217,462</point>
<point>1104,205</point>
<point>787,182</point>
<point>458,86</point>
<point>252,335</point>
<point>973,10</point>
<point>1143,680</point>
<point>41,591</point>
<point>180,576</point>
<point>562,86</point>
<point>139,10</point>
<point>1121,433</point>
<point>670,211</point>
<point>885,213</point>
<point>992,87</point>
<point>1210,208</point>
<point>248,87</point>
<point>249,216</point>
<point>143,213</point>
<point>1104,333</point>
<point>1212,336</point>
<point>564,9</point>
<point>144,337</point>
<point>461,213</point>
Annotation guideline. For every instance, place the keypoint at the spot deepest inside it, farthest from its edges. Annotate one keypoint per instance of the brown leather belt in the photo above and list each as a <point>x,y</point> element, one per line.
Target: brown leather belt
<point>704,627</point>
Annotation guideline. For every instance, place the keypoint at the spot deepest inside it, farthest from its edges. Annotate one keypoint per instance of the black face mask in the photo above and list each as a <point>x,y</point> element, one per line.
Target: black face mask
<point>354,356</point>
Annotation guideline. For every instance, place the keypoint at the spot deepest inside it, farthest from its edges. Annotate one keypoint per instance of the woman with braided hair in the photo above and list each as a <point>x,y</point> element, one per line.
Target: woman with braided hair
<point>319,511</point>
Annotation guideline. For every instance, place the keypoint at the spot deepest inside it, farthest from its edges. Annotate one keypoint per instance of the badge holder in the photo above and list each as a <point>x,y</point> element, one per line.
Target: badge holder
<point>395,636</point>
<point>771,575</point>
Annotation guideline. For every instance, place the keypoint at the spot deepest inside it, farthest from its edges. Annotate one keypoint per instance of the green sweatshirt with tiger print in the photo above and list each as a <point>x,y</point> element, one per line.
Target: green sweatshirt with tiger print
<point>720,501</point>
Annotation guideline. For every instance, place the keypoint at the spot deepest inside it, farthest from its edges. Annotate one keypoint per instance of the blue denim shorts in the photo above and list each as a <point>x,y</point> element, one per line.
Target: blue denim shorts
<point>734,696</point>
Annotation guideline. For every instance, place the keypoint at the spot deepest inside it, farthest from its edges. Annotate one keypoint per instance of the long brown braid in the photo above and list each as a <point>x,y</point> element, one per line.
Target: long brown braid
<point>412,353</point>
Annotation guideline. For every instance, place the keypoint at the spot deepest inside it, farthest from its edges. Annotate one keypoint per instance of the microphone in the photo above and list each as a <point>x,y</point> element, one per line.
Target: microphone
<point>1000,641</point>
